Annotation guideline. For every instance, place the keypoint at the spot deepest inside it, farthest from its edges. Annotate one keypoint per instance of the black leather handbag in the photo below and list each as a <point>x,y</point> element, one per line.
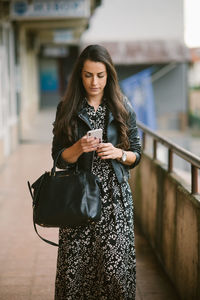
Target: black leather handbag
<point>65,198</point>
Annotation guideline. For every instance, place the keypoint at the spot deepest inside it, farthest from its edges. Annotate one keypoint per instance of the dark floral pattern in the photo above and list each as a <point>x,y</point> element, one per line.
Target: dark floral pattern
<point>97,261</point>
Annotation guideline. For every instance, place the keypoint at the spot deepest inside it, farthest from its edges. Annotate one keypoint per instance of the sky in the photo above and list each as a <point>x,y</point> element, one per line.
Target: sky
<point>192,22</point>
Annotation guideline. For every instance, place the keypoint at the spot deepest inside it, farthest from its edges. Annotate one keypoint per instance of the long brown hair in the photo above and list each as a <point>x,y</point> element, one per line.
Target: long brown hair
<point>66,119</point>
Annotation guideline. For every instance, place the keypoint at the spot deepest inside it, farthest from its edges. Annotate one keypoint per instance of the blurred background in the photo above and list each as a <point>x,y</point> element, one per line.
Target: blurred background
<point>154,46</point>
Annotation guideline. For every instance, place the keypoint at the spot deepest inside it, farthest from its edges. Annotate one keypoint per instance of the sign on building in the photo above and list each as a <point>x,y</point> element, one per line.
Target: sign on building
<point>44,9</point>
<point>63,36</point>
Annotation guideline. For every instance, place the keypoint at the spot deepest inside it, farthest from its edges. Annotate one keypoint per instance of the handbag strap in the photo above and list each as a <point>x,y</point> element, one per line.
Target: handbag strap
<point>45,240</point>
<point>53,170</point>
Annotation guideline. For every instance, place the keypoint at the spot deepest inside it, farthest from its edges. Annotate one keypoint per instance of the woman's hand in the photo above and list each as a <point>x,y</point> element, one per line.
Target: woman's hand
<point>108,151</point>
<point>104,150</point>
<point>85,144</point>
<point>88,144</point>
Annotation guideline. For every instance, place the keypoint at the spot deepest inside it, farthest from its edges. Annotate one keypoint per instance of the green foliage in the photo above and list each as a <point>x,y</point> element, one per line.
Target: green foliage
<point>194,120</point>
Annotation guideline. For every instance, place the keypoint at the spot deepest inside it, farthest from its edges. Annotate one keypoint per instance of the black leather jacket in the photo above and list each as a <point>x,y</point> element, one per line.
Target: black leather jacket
<point>85,160</point>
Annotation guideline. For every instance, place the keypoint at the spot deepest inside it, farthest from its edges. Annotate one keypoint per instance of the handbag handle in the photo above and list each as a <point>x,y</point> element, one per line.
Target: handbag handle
<point>53,170</point>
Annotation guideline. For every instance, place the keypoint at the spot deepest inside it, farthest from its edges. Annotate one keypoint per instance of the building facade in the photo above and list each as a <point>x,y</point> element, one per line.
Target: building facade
<point>35,37</point>
<point>142,35</point>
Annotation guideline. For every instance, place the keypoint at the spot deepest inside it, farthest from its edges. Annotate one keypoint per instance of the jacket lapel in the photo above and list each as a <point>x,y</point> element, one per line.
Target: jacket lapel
<point>110,117</point>
<point>82,114</point>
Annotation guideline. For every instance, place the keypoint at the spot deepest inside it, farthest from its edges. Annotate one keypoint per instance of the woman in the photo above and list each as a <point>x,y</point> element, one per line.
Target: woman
<point>97,261</point>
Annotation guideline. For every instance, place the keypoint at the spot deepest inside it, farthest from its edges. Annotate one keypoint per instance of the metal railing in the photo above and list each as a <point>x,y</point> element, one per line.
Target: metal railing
<point>173,148</point>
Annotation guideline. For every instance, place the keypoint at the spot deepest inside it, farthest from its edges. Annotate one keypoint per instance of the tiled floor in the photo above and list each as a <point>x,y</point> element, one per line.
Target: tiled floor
<point>27,264</point>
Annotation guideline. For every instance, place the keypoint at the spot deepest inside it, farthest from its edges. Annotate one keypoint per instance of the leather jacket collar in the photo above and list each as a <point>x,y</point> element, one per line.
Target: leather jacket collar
<point>82,114</point>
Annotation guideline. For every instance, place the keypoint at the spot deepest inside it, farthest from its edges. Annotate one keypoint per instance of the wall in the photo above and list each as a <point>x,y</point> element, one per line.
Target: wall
<point>170,218</point>
<point>137,20</point>
<point>170,92</point>
<point>29,92</point>
<point>194,74</point>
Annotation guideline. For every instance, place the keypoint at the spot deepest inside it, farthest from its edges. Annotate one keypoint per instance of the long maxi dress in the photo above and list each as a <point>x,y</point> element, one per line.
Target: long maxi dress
<point>97,261</point>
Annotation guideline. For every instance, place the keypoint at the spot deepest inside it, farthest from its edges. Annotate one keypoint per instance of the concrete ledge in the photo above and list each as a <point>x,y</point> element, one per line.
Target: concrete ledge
<point>169,216</point>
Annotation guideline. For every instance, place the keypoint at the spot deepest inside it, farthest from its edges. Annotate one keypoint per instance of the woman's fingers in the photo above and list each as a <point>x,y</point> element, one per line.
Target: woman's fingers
<point>105,147</point>
<point>89,144</point>
<point>106,151</point>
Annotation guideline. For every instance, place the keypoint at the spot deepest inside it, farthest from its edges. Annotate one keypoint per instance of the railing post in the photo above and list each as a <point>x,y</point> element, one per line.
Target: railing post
<point>143,140</point>
<point>154,149</point>
<point>170,160</point>
<point>194,179</point>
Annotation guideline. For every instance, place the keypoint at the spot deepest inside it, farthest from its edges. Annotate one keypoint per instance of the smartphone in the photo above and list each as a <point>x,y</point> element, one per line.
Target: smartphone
<point>95,133</point>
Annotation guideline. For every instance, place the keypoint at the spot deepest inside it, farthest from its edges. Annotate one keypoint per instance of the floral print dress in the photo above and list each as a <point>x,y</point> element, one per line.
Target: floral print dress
<point>97,261</point>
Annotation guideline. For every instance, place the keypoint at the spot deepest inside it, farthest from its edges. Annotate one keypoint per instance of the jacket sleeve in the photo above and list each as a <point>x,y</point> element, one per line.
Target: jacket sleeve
<point>58,146</point>
<point>133,134</point>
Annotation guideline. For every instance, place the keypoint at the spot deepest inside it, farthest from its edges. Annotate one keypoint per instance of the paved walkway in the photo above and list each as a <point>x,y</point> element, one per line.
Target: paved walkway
<point>27,264</point>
